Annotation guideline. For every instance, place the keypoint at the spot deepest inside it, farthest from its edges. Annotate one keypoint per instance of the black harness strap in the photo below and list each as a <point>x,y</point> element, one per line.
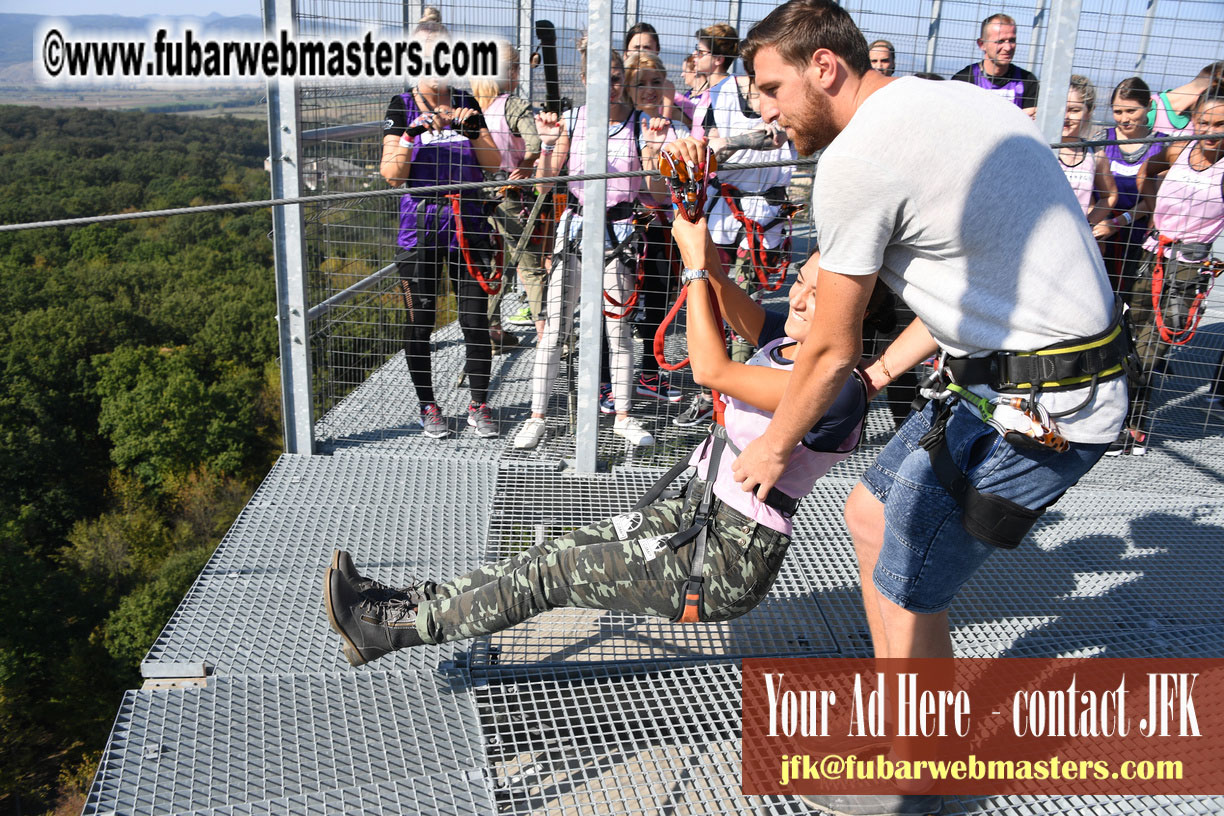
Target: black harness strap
<point>784,504</point>
<point>693,590</point>
<point>1063,366</point>
<point>988,517</point>
<point>694,586</point>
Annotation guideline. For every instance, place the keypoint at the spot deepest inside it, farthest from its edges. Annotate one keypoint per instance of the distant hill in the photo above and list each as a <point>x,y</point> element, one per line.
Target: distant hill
<point>17,33</point>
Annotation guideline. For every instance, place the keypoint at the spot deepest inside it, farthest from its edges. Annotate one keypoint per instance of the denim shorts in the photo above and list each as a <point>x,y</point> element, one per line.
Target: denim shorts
<point>927,555</point>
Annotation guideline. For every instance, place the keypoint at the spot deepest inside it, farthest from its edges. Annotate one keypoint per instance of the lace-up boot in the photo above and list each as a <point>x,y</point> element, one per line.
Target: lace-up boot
<point>369,629</point>
<point>376,590</point>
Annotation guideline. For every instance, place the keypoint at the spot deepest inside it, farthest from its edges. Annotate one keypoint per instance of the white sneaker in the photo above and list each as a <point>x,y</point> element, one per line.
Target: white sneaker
<point>530,433</point>
<point>631,429</point>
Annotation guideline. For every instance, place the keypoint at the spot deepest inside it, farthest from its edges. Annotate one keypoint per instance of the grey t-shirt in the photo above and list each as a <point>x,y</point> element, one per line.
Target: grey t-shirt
<point>951,194</point>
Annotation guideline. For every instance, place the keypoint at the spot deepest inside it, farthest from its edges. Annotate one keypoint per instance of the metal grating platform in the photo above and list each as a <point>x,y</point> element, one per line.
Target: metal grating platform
<point>1098,570</point>
<point>257,606</point>
<point>617,742</point>
<point>534,503</point>
<point>580,712</point>
<point>627,741</point>
<point>382,415</point>
<point>461,794</point>
<point>247,741</point>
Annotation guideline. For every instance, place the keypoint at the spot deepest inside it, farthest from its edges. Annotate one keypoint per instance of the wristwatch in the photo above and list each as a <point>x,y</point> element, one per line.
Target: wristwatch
<point>688,275</point>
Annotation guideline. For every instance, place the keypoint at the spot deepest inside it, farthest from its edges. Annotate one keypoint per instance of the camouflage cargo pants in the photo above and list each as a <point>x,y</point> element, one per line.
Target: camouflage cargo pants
<point>1152,348</point>
<point>621,564</point>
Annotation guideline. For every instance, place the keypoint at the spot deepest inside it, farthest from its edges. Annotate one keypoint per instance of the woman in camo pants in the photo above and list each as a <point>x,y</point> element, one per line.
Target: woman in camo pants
<point>639,562</point>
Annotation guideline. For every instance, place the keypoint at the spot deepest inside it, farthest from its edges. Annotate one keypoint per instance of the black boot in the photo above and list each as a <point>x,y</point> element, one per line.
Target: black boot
<point>369,629</point>
<point>376,590</point>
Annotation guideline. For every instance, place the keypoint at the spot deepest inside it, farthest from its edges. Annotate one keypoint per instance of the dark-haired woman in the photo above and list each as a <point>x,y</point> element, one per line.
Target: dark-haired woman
<point>709,555</point>
<point>1121,235</point>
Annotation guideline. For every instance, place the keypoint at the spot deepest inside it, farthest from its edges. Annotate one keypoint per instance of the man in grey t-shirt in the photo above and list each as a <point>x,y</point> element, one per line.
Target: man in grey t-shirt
<point>950,195</point>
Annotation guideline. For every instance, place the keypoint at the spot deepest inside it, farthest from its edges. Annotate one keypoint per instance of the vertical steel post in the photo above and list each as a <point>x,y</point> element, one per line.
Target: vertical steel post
<point>933,35</point>
<point>598,66</point>
<point>412,14</point>
<point>526,36</point>
<point>284,127</point>
<point>1148,18</point>
<point>1059,53</point>
<point>735,16</point>
<point>631,14</point>
<point>1039,21</point>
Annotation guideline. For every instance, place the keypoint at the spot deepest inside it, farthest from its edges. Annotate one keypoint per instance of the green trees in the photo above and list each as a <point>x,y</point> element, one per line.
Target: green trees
<point>136,408</point>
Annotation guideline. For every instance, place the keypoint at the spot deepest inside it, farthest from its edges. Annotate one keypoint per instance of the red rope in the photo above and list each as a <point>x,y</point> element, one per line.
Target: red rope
<point>757,253</point>
<point>661,336</point>
<point>490,285</point>
<point>1178,338</point>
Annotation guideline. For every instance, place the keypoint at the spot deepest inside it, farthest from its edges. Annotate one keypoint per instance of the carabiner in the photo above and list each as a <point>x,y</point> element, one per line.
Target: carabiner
<point>688,184</point>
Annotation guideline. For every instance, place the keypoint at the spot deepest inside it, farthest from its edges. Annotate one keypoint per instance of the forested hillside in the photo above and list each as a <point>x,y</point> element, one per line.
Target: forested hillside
<point>138,407</point>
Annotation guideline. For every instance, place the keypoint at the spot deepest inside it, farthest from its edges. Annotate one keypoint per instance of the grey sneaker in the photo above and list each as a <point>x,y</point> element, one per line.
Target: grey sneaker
<point>699,409</point>
<point>369,629</point>
<point>433,424</point>
<point>480,419</point>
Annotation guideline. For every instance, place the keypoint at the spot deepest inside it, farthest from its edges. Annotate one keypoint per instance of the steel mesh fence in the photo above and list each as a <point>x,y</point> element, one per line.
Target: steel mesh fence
<point>361,338</point>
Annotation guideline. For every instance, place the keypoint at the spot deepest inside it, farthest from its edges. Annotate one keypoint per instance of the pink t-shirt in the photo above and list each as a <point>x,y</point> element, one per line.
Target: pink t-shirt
<point>700,105</point>
<point>510,147</point>
<point>687,106</point>
<point>622,156</point>
<point>1190,204</point>
<point>745,423</point>
<point>1082,177</point>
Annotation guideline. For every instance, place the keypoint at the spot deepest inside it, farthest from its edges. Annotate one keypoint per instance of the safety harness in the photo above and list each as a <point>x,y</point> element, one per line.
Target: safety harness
<point>632,251</point>
<point>492,284</point>
<point>770,276</point>
<point>697,532</point>
<point>1022,421</point>
<point>1184,322</point>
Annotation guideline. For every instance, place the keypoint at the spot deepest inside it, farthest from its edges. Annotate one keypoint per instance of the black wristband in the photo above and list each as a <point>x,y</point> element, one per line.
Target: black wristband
<point>471,126</point>
<point>415,131</point>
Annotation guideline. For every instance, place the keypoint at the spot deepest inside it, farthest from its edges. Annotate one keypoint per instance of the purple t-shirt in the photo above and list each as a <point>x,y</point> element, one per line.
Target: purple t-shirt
<point>1017,86</point>
<point>437,158</point>
<point>1125,171</point>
